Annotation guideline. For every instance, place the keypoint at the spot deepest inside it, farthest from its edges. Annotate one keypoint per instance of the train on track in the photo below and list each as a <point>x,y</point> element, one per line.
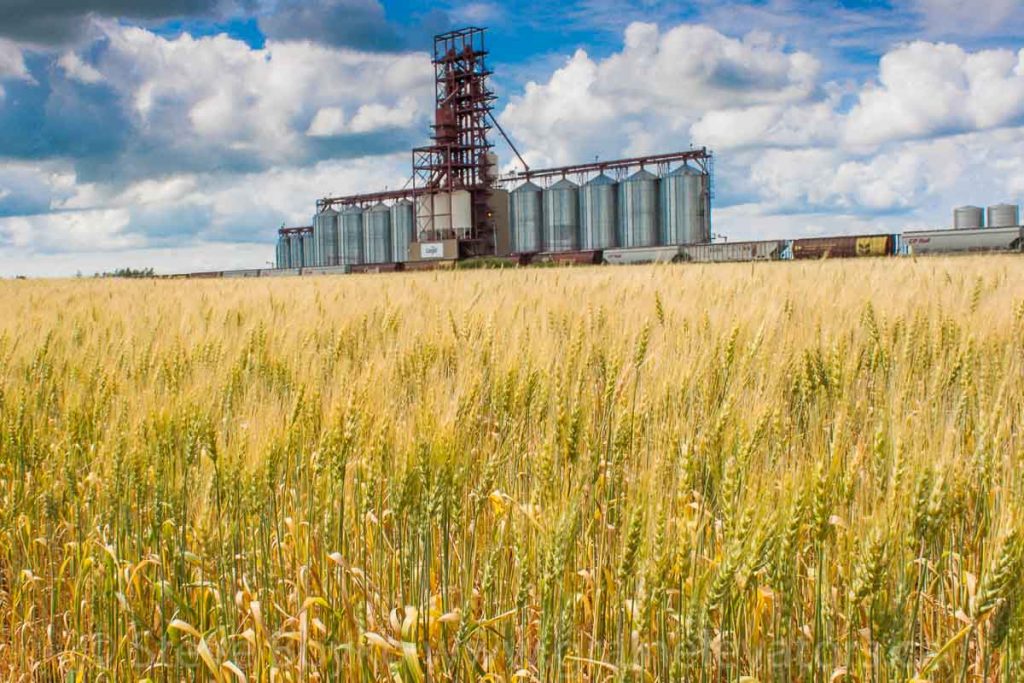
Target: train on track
<point>981,240</point>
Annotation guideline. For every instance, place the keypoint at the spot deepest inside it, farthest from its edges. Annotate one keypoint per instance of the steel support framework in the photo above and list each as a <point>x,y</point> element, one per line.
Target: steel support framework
<point>303,230</point>
<point>701,158</point>
<point>368,199</point>
<point>458,159</point>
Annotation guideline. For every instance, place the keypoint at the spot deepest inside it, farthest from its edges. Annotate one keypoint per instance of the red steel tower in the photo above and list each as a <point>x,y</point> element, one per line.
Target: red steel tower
<point>460,161</point>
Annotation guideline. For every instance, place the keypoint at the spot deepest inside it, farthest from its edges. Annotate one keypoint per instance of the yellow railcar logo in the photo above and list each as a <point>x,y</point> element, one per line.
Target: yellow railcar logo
<point>872,246</point>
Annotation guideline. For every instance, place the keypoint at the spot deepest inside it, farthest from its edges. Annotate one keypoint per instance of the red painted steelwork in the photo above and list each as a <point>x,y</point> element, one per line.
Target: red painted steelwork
<point>462,119</point>
<point>368,199</point>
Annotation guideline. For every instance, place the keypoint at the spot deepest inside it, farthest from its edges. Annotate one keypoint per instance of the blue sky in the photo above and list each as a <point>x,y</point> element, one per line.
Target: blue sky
<point>179,134</point>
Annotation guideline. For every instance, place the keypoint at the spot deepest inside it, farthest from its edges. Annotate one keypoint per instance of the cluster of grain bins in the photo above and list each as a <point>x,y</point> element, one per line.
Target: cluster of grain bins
<point>642,211</point>
<point>356,236</point>
<point>296,248</point>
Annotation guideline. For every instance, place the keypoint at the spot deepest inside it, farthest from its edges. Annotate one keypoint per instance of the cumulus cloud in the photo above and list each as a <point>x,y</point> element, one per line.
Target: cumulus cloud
<point>922,178</point>
<point>936,125</point>
<point>925,89</point>
<point>181,224</point>
<point>138,104</point>
<point>182,209</point>
<point>796,125</point>
<point>132,144</point>
<point>69,231</point>
<point>672,77</point>
<point>77,70</point>
<point>327,122</point>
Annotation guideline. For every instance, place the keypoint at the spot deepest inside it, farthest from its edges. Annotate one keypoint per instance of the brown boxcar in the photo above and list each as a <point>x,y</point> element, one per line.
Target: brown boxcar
<point>843,246</point>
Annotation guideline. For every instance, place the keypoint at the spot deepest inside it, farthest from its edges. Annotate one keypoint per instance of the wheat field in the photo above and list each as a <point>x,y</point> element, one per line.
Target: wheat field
<point>750,472</point>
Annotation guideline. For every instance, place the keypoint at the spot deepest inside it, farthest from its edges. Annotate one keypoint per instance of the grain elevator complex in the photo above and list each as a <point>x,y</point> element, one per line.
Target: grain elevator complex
<point>456,206</point>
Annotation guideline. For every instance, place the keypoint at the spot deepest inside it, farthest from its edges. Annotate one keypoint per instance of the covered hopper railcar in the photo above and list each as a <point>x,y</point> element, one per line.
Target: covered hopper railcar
<point>846,246</point>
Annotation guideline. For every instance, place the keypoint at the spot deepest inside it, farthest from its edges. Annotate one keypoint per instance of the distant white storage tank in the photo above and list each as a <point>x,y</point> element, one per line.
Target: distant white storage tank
<point>968,218</point>
<point>1003,216</point>
<point>401,230</point>
<point>598,213</point>
<point>377,234</point>
<point>325,238</point>
<point>525,218</point>
<point>444,215</point>
<point>561,208</point>
<point>638,210</point>
<point>350,237</point>
<point>683,207</point>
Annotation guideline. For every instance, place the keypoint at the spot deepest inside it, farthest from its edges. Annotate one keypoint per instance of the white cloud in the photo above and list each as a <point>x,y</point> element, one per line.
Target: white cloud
<point>917,182</point>
<point>77,70</point>
<point>198,96</point>
<point>672,78</point>
<point>69,231</point>
<point>192,208</point>
<point>194,103</point>
<point>960,17</point>
<point>327,122</point>
<point>791,125</point>
<point>936,126</point>
<point>12,65</point>
<point>376,116</point>
<point>478,13</point>
<point>925,89</point>
<point>12,61</point>
<point>239,214</point>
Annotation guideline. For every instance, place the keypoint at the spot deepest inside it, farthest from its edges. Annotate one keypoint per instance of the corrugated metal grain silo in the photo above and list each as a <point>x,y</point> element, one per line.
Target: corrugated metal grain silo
<point>282,251</point>
<point>598,213</point>
<point>294,250</point>
<point>350,237</point>
<point>377,234</point>
<point>1003,216</point>
<point>638,210</point>
<point>968,218</point>
<point>525,218</point>
<point>402,223</point>
<point>308,250</point>
<point>561,209</point>
<point>683,207</point>
<point>325,237</point>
